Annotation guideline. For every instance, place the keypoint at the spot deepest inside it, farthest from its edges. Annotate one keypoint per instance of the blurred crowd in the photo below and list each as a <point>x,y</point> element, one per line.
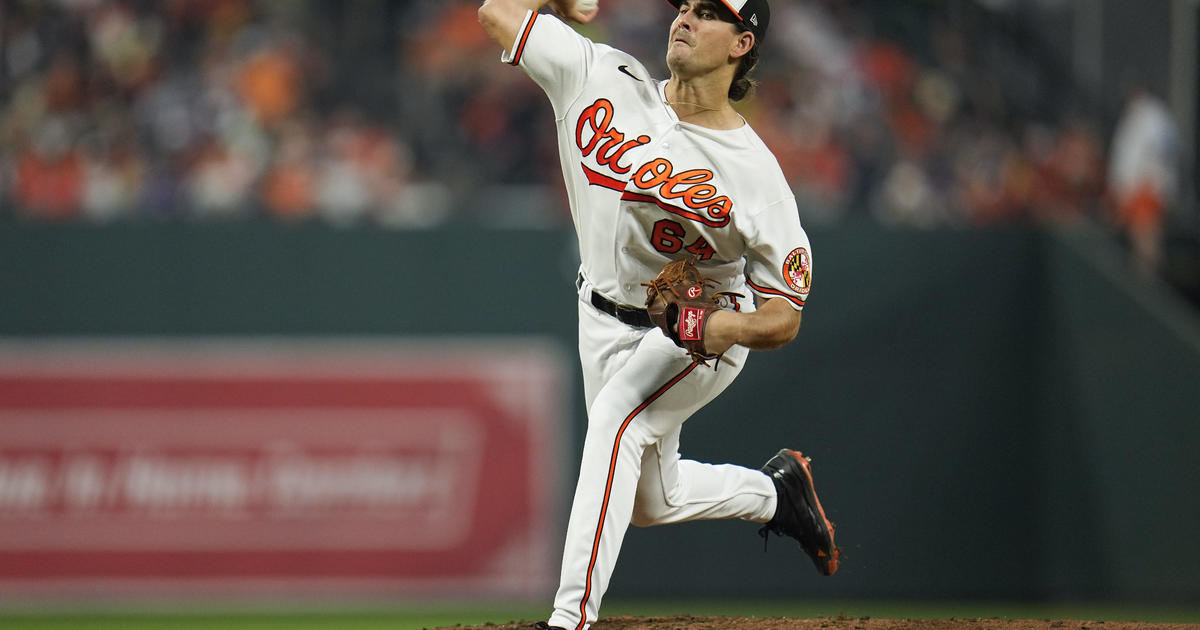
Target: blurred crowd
<point>399,114</point>
<point>195,109</point>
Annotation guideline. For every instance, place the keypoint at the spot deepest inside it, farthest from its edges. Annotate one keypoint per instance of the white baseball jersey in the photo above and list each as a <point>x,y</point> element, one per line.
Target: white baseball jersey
<point>645,188</point>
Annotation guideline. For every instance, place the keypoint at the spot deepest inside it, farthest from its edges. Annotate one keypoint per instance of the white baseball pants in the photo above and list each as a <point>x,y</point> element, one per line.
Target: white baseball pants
<point>639,389</point>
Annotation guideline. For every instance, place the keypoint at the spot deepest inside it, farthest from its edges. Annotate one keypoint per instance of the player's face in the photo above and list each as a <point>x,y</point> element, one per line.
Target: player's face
<point>700,38</point>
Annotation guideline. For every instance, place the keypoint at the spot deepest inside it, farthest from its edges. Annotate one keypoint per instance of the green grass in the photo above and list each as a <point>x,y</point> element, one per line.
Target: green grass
<point>420,617</point>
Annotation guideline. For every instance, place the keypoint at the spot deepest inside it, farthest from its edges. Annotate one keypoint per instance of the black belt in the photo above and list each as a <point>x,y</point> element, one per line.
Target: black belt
<point>627,314</point>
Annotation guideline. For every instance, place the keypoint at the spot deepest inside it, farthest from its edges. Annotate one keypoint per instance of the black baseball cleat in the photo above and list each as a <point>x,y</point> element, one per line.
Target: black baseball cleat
<point>542,625</point>
<point>798,513</point>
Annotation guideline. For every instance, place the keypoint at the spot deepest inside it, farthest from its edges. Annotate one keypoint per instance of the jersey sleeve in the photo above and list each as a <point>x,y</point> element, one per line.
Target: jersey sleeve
<point>554,56</point>
<point>778,254</point>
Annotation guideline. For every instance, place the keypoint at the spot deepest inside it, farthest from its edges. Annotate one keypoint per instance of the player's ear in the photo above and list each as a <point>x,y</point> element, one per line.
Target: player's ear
<point>741,45</point>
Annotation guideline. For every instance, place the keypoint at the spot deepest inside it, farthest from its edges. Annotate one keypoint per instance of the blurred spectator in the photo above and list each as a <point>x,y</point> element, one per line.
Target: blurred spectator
<point>288,189</point>
<point>50,173</point>
<point>343,192</point>
<point>113,178</point>
<point>218,182</point>
<point>1070,171</point>
<point>1143,173</point>
<point>269,82</point>
<point>363,172</point>
<point>907,197</point>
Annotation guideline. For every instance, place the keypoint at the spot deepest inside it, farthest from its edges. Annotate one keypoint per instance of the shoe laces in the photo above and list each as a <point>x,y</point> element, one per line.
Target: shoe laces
<point>765,531</point>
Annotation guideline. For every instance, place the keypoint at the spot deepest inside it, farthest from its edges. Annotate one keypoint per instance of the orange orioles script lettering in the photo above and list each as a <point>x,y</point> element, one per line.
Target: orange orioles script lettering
<point>690,187</point>
<point>606,141</point>
<point>595,133</point>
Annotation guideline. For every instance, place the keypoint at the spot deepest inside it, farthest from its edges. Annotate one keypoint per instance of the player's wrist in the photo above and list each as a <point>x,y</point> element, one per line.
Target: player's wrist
<point>722,331</point>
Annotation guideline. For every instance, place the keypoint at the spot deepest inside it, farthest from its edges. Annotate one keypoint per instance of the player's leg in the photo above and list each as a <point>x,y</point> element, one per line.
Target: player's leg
<point>605,346</point>
<point>676,490</point>
<point>646,399</point>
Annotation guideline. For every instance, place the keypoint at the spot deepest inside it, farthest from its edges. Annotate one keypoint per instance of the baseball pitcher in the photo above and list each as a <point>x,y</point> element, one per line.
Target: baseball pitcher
<point>692,254</point>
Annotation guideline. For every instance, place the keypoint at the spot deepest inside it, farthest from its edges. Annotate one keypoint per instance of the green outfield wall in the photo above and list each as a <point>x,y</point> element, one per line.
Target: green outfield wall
<point>999,414</point>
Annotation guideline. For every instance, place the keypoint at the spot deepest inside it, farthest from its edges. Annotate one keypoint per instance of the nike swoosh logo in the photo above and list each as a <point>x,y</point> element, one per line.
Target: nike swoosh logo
<point>624,69</point>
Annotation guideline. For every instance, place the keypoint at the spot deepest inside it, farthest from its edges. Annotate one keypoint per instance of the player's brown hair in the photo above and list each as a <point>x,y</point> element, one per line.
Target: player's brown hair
<point>743,85</point>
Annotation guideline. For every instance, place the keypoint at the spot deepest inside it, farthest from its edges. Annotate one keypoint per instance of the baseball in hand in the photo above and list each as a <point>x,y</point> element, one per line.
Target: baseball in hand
<point>586,6</point>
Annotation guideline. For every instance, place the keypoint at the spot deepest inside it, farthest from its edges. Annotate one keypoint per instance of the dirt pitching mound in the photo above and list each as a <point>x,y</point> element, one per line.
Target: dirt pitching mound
<point>843,623</point>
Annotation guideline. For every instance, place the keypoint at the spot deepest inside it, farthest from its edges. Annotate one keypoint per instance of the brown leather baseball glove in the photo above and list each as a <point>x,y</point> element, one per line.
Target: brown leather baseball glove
<point>679,301</point>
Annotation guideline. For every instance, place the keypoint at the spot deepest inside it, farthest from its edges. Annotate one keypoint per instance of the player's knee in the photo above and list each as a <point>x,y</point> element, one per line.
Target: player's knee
<point>605,417</point>
<point>607,420</point>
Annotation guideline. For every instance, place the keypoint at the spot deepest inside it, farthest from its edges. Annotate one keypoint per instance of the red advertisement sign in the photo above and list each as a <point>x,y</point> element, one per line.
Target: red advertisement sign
<point>278,468</point>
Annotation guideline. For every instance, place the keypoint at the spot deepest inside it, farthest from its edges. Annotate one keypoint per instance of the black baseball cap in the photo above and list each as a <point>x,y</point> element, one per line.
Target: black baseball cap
<point>755,15</point>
